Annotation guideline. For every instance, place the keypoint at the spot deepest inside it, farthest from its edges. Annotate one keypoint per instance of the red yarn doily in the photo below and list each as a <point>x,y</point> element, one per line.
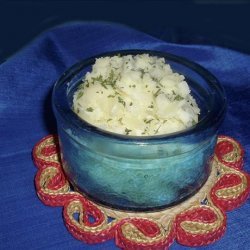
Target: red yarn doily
<point>198,221</point>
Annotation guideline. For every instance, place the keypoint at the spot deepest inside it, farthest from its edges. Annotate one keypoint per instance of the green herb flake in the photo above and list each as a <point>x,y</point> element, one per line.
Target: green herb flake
<point>157,93</point>
<point>130,104</point>
<point>148,121</point>
<point>79,95</point>
<point>160,84</point>
<point>111,96</point>
<point>178,98</point>
<point>100,80</point>
<point>81,86</point>
<point>90,109</point>
<point>111,80</point>
<point>142,72</point>
<point>145,131</point>
<point>120,100</point>
<point>127,131</point>
<point>157,130</point>
<point>120,120</point>
<point>103,85</point>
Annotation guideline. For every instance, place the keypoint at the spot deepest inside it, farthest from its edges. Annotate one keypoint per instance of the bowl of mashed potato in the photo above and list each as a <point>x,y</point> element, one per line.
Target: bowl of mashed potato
<point>137,128</point>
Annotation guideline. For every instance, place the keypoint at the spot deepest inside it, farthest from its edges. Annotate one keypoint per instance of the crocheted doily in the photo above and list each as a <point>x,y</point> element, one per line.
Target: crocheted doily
<point>198,221</point>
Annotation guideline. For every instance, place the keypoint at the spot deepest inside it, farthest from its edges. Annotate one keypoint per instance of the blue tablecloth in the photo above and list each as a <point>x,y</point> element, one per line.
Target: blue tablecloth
<point>26,116</point>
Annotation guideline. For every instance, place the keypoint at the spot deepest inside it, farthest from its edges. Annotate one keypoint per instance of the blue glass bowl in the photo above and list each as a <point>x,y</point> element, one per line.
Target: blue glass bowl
<point>139,173</point>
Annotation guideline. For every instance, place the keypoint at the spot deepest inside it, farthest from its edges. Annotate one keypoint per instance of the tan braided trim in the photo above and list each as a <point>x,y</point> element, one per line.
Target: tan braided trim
<point>196,227</point>
<point>133,234</point>
<point>75,206</point>
<point>234,191</point>
<point>46,143</point>
<point>234,155</point>
<point>47,175</point>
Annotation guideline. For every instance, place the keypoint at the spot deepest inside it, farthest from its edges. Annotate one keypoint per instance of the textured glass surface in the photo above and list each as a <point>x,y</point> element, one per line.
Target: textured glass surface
<point>139,173</point>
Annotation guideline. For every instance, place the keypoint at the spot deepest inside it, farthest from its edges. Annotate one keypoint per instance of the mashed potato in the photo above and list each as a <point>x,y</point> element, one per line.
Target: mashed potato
<point>135,95</point>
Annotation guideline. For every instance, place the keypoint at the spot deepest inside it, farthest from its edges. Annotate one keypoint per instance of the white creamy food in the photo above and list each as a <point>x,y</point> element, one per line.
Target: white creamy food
<point>135,95</point>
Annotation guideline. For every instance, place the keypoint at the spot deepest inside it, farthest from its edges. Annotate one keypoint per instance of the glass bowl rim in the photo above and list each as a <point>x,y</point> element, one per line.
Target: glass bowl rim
<point>214,117</point>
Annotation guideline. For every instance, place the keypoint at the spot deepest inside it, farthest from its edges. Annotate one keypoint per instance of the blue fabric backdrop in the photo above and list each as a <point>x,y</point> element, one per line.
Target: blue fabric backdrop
<point>26,81</point>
